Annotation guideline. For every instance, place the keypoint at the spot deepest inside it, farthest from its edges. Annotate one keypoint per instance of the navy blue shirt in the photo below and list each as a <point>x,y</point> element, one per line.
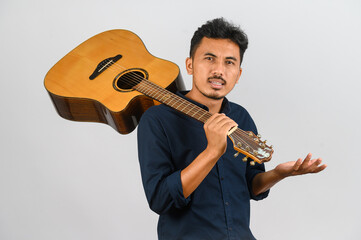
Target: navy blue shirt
<point>168,141</point>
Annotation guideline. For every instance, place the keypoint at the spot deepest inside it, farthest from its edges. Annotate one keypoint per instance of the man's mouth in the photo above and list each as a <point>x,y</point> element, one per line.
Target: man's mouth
<point>216,83</point>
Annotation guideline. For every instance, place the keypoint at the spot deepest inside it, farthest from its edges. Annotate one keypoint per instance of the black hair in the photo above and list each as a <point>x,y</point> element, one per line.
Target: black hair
<point>219,28</point>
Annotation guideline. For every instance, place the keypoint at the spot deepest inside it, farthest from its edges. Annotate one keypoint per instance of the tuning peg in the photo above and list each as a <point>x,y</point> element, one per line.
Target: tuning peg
<point>236,154</point>
<point>259,135</point>
<point>264,141</point>
<point>271,146</point>
<point>252,163</point>
<point>239,144</point>
<point>245,159</point>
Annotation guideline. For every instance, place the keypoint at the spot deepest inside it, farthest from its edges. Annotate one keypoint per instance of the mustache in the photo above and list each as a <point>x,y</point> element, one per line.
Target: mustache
<point>217,77</point>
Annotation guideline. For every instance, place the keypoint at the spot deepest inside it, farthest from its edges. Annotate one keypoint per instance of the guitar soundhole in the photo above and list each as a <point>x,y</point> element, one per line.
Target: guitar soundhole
<point>125,81</point>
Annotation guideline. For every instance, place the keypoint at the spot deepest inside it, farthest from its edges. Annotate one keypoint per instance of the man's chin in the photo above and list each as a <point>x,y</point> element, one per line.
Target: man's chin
<point>213,96</point>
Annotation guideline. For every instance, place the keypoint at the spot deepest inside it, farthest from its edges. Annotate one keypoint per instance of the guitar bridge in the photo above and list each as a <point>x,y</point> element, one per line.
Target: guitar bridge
<point>103,65</point>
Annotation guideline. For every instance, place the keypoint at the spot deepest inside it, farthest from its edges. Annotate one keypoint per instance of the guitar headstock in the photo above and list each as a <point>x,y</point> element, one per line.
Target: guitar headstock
<point>251,146</point>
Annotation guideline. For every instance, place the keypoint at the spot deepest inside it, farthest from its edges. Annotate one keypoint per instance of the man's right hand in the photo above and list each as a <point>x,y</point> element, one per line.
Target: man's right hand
<point>216,129</point>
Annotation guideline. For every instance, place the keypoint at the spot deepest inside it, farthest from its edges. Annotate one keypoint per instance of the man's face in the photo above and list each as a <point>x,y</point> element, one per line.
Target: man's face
<point>215,67</point>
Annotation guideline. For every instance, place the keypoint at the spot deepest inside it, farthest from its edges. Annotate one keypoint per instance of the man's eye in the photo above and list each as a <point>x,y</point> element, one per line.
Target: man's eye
<point>229,62</point>
<point>209,58</point>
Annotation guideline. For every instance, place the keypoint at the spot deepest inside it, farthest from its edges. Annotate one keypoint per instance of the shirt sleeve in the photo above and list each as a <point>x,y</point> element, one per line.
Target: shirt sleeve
<point>161,180</point>
<point>251,172</point>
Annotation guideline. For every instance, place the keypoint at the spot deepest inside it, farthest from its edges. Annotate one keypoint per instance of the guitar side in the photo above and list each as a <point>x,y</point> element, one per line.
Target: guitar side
<point>79,98</point>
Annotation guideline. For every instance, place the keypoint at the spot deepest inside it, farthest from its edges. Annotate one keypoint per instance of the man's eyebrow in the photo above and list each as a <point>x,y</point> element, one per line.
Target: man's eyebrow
<point>209,54</point>
<point>232,58</point>
<point>213,55</point>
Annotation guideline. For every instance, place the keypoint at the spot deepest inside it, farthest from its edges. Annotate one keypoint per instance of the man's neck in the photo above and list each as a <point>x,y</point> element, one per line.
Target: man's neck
<point>214,105</point>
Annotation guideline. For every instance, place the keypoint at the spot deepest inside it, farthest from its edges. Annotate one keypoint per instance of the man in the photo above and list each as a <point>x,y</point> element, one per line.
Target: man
<point>190,176</point>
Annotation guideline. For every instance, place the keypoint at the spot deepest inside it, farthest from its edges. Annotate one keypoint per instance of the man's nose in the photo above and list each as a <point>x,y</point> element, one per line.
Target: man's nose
<point>218,69</point>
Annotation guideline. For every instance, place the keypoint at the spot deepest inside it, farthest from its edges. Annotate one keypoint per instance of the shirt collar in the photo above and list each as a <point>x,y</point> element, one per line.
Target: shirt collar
<point>225,108</point>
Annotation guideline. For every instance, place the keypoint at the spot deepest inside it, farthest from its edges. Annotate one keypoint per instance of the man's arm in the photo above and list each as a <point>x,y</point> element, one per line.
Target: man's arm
<point>264,181</point>
<point>216,129</point>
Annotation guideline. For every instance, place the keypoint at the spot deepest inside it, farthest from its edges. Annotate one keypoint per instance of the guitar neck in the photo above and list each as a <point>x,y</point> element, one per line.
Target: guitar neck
<point>174,101</point>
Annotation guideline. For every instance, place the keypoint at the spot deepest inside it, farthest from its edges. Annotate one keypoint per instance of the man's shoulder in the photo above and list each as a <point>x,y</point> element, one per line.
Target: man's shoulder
<point>157,113</point>
<point>236,106</point>
<point>237,109</point>
<point>157,110</point>
<point>239,114</point>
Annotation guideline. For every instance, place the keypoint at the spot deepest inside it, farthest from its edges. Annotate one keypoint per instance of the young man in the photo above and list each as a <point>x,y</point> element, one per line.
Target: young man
<point>190,176</point>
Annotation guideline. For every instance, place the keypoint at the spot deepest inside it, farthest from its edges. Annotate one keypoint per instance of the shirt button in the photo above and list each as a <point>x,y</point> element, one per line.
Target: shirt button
<point>227,203</point>
<point>230,229</point>
<point>222,178</point>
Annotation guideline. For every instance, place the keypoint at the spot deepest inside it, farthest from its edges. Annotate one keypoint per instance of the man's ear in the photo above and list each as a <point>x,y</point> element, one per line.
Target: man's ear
<point>189,65</point>
<point>240,73</point>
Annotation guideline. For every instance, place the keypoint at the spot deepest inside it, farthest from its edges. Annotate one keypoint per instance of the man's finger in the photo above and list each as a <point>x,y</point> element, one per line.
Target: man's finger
<point>297,164</point>
<point>317,166</point>
<point>306,161</point>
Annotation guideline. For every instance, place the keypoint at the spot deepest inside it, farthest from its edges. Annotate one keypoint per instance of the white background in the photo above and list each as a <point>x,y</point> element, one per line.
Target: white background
<point>301,83</point>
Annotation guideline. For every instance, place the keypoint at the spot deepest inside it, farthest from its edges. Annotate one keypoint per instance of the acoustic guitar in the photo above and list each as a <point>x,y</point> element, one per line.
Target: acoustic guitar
<point>111,78</point>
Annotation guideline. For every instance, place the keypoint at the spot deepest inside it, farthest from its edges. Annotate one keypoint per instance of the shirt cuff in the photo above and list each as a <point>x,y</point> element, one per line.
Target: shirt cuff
<point>261,195</point>
<point>176,190</point>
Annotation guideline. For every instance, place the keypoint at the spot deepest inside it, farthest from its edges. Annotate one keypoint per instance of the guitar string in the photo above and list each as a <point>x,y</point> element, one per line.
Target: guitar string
<point>138,80</point>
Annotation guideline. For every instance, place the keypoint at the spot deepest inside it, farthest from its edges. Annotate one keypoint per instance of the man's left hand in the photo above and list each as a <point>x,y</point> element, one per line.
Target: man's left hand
<point>300,167</point>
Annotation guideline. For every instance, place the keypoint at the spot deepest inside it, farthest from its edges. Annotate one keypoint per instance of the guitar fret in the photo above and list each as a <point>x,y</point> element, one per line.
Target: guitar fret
<point>161,99</point>
<point>190,109</point>
<point>195,112</point>
<point>200,118</point>
<point>179,106</point>
<point>170,102</point>
<point>184,108</point>
<point>183,103</point>
<point>145,91</point>
<point>156,96</point>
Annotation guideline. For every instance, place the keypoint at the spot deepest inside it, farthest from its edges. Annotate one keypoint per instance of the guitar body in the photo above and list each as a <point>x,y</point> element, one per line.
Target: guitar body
<point>84,85</point>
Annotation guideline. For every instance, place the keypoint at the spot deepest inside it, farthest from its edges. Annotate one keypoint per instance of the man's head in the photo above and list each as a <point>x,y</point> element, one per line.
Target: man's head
<point>219,29</point>
<point>217,49</point>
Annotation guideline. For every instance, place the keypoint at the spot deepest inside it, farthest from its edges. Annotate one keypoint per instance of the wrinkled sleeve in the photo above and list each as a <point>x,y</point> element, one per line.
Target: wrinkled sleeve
<point>252,171</point>
<point>161,180</point>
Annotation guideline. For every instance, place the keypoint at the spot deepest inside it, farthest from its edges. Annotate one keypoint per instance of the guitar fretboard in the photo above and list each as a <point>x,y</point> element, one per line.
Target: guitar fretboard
<point>164,96</point>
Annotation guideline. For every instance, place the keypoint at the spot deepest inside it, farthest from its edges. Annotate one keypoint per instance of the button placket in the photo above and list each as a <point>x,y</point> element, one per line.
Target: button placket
<point>224,190</point>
